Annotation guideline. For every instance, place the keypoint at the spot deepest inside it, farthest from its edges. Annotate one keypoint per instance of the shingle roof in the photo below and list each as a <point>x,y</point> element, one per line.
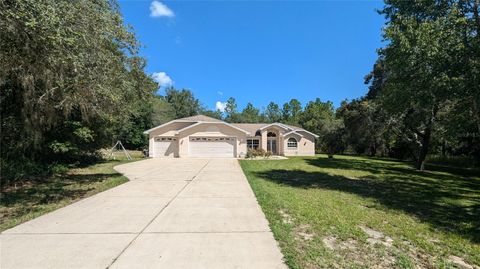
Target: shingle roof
<point>252,128</point>
<point>201,118</point>
<point>294,127</point>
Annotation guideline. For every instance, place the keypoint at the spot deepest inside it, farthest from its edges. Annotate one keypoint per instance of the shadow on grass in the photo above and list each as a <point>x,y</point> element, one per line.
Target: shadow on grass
<point>447,201</point>
<point>53,190</point>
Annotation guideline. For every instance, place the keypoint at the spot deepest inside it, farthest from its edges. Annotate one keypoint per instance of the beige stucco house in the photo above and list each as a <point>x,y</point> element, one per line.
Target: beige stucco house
<point>202,136</point>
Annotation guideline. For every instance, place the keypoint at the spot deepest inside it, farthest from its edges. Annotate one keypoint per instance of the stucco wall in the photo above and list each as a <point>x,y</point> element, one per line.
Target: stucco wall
<point>212,130</point>
<point>167,131</point>
<point>305,145</point>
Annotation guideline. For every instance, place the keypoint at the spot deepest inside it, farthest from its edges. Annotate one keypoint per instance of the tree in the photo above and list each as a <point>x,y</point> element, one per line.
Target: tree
<point>319,117</point>
<point>420,58</point>
<point>231,114</point>
<point>217,114</point>
<point>69,73</point>
<point>364,125</point>
<point>376,79</point>
<point>183,102</point>
<point>250,114</point>
<point>292,111</point>
<point>273,113</point>
<point>162,111</point>
<point>332,139</point>
<point>467,22</point>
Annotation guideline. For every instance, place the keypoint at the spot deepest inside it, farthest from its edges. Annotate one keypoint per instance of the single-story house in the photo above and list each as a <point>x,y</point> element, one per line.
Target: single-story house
<point>202,136</point>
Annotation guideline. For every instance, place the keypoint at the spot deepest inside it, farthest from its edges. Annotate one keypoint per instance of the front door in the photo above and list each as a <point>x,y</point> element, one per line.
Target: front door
<point>272,146</point>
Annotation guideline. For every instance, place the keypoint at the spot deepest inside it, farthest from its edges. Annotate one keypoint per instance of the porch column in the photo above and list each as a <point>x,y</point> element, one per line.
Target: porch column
<point>280,145</point>
<point>263,144</point>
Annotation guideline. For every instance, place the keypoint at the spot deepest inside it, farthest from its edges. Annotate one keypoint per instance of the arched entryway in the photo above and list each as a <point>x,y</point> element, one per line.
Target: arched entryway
<point>272,142</point>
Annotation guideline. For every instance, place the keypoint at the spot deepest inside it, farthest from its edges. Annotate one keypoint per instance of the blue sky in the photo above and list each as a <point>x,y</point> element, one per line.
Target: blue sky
<point>259,51</point>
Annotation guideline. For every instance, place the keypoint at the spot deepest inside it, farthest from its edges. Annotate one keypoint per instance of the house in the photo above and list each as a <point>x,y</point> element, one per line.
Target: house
<point>202,136</point>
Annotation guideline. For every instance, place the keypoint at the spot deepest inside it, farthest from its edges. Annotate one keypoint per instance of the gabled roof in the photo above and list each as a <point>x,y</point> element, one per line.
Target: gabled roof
<point>196,120</point>
<point>254,128</point>
<point>201,118</point>
<point>164,124</point>
<point>248,128</point>
<point>213,122</point>
<point>292,132</point>
<point>277,124</point>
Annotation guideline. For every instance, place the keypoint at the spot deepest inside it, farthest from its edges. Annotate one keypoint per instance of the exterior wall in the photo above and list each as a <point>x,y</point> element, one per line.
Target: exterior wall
<point>212,130</point>
<point>263,141</point>
<point>305,145</point>
<point>166,131</point>
<point>279,132</point>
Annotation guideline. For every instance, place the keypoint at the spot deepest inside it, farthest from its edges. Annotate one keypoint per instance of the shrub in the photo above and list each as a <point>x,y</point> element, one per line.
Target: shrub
<point>252,153</point>
<point>58,168</point>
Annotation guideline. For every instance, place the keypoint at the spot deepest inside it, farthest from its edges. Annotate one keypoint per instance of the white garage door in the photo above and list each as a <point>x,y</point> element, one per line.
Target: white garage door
<point>212,146</point>
<point>164,147</point>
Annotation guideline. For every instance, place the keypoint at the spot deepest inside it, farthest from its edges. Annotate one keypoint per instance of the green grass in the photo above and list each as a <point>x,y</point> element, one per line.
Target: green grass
<point>319,209</point>
<point>34,198</point>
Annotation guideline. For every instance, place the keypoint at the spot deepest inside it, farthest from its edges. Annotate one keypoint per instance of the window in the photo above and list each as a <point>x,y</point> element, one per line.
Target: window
<point>160,139</point>
<point>292,143</point>
<point>253,143</point>
<point>271,134</point>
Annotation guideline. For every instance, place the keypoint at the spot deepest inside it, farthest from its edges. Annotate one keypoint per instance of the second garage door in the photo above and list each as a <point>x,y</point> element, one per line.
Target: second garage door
<point>212,146</point>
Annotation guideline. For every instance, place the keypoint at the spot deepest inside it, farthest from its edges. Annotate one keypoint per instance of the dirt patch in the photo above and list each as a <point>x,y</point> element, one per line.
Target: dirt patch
<point>376,237</point>
<point>330,242</point>
<point>286,218</point>
<point>459,262</point>
<point>349,244</point>
<point>303,232</point>
<point>362,254</point>
<point>378,251</point>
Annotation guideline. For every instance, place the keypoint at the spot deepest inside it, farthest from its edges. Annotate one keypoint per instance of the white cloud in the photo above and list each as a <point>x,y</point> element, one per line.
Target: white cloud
<point>163,79</point>
<point>220,93</point>
<point>158,9</point>
<point>220,106</point>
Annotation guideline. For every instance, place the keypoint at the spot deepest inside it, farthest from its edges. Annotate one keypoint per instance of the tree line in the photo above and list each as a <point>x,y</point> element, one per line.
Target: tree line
<point>72,83</point>
<point>423,91</point>
<point>425,86</point>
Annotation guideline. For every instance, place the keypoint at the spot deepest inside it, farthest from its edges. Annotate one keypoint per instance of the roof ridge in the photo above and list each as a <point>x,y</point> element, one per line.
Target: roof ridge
<point>201,117</point>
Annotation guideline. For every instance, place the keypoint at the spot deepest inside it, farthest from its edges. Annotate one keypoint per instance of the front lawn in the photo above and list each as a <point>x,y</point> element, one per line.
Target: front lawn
<point>40,196</point>
<point>358,212</point>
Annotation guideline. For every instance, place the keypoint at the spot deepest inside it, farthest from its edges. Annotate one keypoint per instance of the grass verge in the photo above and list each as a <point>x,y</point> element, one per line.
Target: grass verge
<point>358,212</point>
<point>37,197</point>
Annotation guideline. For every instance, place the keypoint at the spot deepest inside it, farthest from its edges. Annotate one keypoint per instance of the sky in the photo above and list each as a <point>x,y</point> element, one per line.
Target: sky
<point>258,51</point>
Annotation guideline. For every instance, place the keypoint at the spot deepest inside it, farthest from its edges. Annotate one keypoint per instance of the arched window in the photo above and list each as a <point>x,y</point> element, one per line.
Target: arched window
<point>271,134</point>
<point>292,143</point>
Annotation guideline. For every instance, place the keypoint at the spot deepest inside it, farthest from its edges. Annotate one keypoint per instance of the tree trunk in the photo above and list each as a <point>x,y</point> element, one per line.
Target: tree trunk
<point>444,147</point>
<point>373,149</point>
<point>475,104</point>
<point>476,112</point>
<point>425,144</point>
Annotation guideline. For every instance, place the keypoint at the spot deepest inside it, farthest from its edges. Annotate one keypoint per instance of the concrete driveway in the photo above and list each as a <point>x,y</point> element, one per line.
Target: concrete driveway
<point>174,213</point>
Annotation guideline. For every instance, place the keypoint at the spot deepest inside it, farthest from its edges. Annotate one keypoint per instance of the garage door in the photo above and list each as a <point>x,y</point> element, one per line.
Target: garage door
<point>165,147</point>
<point>212,146</point>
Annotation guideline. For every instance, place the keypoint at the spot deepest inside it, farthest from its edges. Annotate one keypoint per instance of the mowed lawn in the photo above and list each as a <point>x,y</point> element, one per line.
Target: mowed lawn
<point>359,212</point>
<point>37,197</point>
